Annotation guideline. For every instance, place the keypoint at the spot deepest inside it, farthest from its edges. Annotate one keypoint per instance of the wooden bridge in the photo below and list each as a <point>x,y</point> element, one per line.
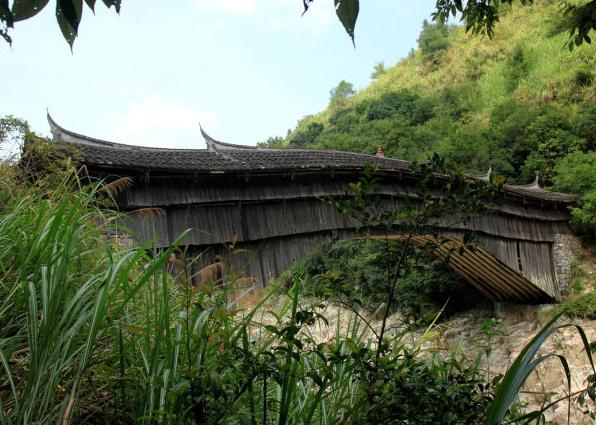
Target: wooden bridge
<point>268,201</point>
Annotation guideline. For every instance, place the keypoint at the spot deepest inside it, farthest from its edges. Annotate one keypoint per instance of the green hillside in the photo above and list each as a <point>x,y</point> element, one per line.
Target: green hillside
<point>470,98</point>
<point>520,103</point>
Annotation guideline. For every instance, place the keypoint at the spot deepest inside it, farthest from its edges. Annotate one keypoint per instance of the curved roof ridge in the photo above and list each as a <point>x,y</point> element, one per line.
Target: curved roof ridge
<point>360,154</point>
<point>535,185</point>
<point>57,130</point>
<point>536,188</point>
<point>486,176</point>
<point>77,138</point>
<point>213,144</point>
<point>102,153</point>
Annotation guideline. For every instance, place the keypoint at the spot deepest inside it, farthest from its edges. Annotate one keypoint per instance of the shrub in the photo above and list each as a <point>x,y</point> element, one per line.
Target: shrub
<point>433,39</point>
<point>440,391</point>
<point>341,92</point>
<point>585,125</point>
<point>307,137</point>
<point>355,271</point>
<point>402,103</point>
<point>344,120</point>
<point>517,67</point>
<point>552,135</point>
<point>378,70</point>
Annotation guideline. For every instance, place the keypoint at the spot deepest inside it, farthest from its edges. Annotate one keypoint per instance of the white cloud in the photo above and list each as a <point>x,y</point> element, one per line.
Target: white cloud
<point>150,121</point>
<point>318,19</point>
<point>278,14</point>
<point>244,7</point>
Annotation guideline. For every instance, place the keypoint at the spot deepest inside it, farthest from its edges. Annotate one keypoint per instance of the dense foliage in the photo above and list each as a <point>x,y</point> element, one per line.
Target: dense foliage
<point>355,272</point>
<point>481,16</point>
<point>576,173</point>
<point>520,104</point>
<point>478,16</point>
<point>92,333</point>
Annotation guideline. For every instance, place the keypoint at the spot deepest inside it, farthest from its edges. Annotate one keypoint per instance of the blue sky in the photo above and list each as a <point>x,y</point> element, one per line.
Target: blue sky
<point>246,69</point>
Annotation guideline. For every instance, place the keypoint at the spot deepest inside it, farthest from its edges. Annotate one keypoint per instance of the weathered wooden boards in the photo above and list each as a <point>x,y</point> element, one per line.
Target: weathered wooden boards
<point>269,201</point>
<point>282,219</point>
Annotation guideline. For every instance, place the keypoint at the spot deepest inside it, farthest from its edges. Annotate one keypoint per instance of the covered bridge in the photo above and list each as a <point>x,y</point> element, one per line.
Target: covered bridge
<point>268,200</point>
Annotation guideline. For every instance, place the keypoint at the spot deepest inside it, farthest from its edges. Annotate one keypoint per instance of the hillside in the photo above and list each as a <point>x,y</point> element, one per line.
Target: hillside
<point>519,103</point>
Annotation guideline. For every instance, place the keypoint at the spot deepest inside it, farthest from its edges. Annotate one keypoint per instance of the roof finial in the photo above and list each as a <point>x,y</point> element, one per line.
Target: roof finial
<point>380,153</point>
<point>536,183</point>
<point>210,141</point>
<point>486,177</point>
<point>55,129</point>
<point>216,145</point>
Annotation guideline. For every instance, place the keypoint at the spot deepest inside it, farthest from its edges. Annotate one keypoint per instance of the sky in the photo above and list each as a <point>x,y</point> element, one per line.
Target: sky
<point>244,69</point>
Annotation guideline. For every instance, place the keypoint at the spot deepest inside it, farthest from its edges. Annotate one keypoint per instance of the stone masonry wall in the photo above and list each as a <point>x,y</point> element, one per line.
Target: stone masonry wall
<point>564,249</point>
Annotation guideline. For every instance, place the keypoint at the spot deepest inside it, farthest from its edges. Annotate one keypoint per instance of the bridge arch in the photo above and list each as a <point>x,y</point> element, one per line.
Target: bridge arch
<point>265,260</point>
<point>268,201</point>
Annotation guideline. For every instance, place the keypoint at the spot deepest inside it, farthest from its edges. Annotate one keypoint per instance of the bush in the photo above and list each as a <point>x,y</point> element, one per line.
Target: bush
<point>341,92</point>
<point>585,125</point>
<point>517,67</point>
<point>355,271</point>
<point>583,78</point>
<point>308,137</point>
<point>440,391</point>
<point>402,103</point>
<point>433,38</point>
<point>344,120</point>
<point>552,136</point>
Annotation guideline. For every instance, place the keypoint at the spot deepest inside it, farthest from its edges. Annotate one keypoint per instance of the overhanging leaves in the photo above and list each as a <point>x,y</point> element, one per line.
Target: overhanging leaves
<point>25,9</point>
<point>91,4</point>
<point>581,19</point>
<point>306,3</point>
<point>6,19</point>
<point>115,3</point>
<point>68,14</point>
<point>347,12</point>
<point>5,14</point>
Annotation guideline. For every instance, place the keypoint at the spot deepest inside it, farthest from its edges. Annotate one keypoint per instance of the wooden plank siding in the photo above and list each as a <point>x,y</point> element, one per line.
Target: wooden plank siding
<point>218,223</point>
<point>283,219</point>
<point>176,191</point>
<point>268,200</point>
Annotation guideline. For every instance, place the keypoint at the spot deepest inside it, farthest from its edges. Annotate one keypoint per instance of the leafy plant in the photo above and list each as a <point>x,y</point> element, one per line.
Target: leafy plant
<point>93,333</point>
<point>68,14</point>
<point>576,174</point>
<point>354,272</point>
<point>524,364</point>
<point>480,17</point>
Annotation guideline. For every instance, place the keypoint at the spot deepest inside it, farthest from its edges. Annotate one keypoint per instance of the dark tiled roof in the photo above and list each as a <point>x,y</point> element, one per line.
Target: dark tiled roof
<point>225,157</point>
<point>528,191</point>
<point>232,158</point>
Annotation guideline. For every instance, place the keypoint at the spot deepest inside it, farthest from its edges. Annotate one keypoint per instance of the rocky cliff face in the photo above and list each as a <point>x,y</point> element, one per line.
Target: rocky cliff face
<point>515,327</point>
<point>500,332</point>
<point>512,327</point>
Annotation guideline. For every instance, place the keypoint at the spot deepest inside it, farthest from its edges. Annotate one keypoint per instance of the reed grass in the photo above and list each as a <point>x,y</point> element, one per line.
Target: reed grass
<point>91,333</point>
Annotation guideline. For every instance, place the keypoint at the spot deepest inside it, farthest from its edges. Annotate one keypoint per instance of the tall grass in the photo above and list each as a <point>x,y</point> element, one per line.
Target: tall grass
<point>56,276</point>
<point>93,333</point>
